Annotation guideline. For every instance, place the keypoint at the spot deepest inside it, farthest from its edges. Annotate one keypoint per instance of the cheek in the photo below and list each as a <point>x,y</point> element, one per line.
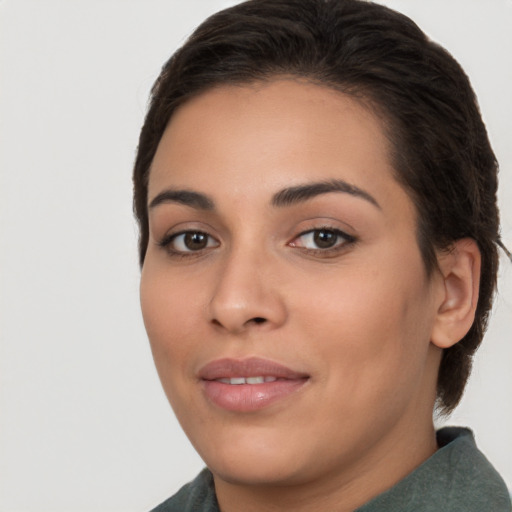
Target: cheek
<point>371,323</point>
<point>170,312</point>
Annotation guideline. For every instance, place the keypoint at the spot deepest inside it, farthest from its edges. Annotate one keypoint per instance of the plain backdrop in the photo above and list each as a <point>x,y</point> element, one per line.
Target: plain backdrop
<point>84,425</point>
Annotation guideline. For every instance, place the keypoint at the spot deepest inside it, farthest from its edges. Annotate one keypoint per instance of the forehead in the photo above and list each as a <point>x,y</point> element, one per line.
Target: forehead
<point>261,137</point>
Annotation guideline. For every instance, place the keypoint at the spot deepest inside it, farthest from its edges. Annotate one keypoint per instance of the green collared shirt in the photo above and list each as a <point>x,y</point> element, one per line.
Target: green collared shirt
<point>457,478</point>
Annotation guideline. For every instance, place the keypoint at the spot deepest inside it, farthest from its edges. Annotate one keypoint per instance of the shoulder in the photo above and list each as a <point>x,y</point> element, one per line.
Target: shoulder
<point>196,496</point>
<point>457,478</point>
<point>471,479</point>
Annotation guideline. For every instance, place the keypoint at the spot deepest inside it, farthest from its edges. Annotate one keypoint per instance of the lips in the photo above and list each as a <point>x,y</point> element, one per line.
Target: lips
<point>249,384</point>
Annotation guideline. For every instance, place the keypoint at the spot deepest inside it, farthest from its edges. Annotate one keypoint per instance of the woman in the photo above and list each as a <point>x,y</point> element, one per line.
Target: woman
<point>319,237</point>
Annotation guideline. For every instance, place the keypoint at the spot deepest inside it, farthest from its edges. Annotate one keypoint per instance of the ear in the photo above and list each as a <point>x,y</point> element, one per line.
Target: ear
<point>460,274</point>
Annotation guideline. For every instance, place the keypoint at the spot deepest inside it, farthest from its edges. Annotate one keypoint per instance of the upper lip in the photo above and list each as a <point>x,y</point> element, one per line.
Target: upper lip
<point>249,367</point>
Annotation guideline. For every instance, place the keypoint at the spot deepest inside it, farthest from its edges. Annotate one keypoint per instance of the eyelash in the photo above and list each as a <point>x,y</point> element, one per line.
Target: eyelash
<point>168,240</point>
<point>346,241</point>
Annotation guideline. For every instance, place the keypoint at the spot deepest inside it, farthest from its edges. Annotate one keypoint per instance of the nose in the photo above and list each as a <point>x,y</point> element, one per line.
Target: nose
<point>246,295</point>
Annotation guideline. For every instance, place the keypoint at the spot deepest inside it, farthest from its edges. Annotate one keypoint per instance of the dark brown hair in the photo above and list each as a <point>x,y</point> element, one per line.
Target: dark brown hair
<point>440,149</point>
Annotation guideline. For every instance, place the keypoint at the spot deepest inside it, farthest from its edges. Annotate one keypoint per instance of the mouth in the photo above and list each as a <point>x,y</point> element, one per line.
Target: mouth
<point>249,384</point>
<point>237,381</point>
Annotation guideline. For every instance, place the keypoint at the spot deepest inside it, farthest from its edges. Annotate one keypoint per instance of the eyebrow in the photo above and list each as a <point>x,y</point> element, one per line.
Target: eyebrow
<point>186,197</point>
<point>301,193</point>
<point>286,197</point>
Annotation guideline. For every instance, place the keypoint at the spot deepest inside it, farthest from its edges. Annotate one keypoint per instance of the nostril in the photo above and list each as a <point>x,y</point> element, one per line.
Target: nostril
<point>256,320</point>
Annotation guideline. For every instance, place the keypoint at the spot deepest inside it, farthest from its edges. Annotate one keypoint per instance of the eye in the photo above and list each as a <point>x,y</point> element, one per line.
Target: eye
<point>189,241</point>
<point>322,239</point>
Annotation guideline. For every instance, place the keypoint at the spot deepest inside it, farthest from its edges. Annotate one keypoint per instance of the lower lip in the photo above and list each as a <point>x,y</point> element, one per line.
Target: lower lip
<point>250,397</point>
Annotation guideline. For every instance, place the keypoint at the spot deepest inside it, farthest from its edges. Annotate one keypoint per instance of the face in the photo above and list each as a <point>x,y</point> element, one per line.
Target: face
<point>283,291</point>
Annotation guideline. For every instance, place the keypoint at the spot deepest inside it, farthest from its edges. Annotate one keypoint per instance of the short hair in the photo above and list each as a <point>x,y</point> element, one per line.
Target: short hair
<point>440,150</point>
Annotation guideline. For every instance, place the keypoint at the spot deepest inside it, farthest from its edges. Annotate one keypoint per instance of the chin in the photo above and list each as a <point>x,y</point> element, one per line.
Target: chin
<point>258,473</point>
<point>254,462</point>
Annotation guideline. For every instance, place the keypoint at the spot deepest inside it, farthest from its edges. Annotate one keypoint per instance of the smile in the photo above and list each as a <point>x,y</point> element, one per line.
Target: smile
<point>247,380</point>
<point>250,384</point>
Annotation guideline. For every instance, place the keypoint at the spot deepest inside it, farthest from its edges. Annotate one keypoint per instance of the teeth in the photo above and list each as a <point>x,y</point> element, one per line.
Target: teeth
<point>254,380</point>
<point>248,380</point>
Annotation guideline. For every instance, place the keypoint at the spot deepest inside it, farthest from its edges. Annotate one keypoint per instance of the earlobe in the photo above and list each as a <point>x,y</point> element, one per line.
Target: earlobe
<point>460,273</point>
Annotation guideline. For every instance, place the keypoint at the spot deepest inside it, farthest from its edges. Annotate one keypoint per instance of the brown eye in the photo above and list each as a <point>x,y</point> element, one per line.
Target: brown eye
<point>191,241</point>
<point>195,241</point>
<point>324,239</point>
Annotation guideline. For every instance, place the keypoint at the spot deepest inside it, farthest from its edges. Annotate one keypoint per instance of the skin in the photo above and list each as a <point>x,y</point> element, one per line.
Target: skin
<point>362,319</point>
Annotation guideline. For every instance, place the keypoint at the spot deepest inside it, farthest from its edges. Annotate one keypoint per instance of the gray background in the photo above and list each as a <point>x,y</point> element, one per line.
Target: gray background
<point>84,425</point>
